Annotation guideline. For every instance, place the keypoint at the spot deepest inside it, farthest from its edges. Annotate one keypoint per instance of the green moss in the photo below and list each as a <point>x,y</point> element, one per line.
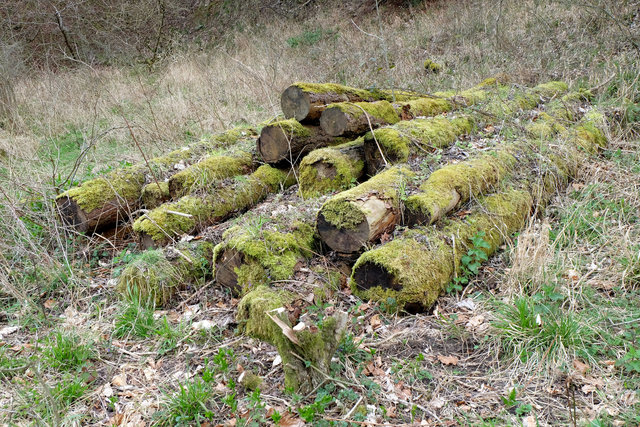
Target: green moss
<point>123,185</point>
<point>399,141</point>
<point>251,381</point>
<point>545,127</point>
<point>551,89</point>
<point>162,223</point>
<point>150,277</point>
<point>589,134</point>
<point>429,106</point>
<point>431,67</point>
<point>324,88</point>
<point>379,110</point>
<point>267,255</point>
<point>347,169</point>
<point>468,179</point>
<point>210,171</point>
<point>423,261</point>
<point>292,127</point>
<point>341,211</point>
<point>154,194</point>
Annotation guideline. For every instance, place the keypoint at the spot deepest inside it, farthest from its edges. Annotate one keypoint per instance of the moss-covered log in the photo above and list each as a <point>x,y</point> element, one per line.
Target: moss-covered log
<point>194,212</point>
<point>250,256</point>
<point>454,184</point>
<point>398,142</point>
<point>415,268</point>
<point>211,170</point>
<point>352,119</point>
<point>306,352</point>
<point>103,201</point>
<point>352,219</point>
<point>154,276</point>
<point>331,168</point>
<point>154,194</point>
<point>307,101</point>
<point>287,140</point>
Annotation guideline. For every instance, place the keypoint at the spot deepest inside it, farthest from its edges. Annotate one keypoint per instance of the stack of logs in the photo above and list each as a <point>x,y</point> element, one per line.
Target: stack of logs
<point>396,165</point>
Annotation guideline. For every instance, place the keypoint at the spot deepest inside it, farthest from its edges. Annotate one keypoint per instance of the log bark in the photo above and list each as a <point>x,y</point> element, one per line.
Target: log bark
<point>306,353</point>
<point>415,268</point>
<point>354,218</point>
<point>193,213</point>
<point>99,203</point>
<point>306,101</point>
<point>287,140</point>
<point>352,119</point>
<point>332,168</point>
<point>397,143</point>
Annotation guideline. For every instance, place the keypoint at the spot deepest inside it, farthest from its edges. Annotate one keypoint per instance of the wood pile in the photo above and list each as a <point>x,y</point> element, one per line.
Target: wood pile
<point>397,184</point>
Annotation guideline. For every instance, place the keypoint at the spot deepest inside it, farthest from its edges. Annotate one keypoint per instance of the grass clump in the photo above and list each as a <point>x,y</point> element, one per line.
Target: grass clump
<point>67,352</point>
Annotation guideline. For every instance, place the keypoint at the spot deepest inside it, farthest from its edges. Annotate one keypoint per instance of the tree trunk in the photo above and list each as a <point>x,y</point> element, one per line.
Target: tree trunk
<point>192,213</point>
<point>354,218</point>
<point>99,203</point>
<point>306,101</point>
<point>415,268</point>
<point>306,353</point>
<point>352,119</point>
<point>208,172</point>
<point>332,168</point>
<point>287,140</point>
<point>414,137</point>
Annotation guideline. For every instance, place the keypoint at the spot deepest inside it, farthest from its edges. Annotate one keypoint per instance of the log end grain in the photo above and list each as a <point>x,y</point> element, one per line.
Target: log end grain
<point>334,121</point>
<point>345,239</point>
<point>295,103</point>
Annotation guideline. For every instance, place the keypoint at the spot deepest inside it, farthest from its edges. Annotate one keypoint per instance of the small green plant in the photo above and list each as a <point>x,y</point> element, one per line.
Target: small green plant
<point>630,362</point>
<point>66,352</point>
<point>310,37</point>
<point>470,262</point>
<point>511,402</point>
<point>135,320</point>
<point>322,400</point>
<point>190,404</point>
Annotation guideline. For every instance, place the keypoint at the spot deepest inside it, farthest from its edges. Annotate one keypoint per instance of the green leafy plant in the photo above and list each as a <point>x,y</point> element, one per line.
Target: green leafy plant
<point>470,262</point>
<point>135,320</point>
<point>630,362</point>
<point>67,352</point>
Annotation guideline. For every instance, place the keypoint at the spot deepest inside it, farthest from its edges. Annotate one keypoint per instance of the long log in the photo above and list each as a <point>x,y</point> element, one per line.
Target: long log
<point>397,143</point>
<point>247,257</point>
<point>352,119</point>
<point>352,219</point>
<point>455,184</point>
<point>194,212</point>
<point>287,140</point>
<point>415,269</point>
<point>209,171</point>
<point>103,201</point>
<point>306,101</point>
<point>306,351</point>
<point>331,168</point>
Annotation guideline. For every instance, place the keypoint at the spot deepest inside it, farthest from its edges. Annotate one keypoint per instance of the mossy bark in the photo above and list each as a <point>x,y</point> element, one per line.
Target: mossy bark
<point>415,268</point>
<point>103,201</point>
<point>156,275</point>
<point>307,101</point>
<point>193,213</point>
<point>211,170</point>
<point>352,119</point>
<point>402,140</point>
<point>332,168</point>
<point>248,257</point>
<point>354,218</point>
<point>306,361</point>
<point>454,184</point>
<point>287,140</point>
<point>154,194</point>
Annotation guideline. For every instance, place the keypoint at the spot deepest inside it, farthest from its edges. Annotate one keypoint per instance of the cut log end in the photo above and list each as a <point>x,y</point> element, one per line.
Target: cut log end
<point>295,103</point>
<point>226,265</point>
<point>334,121</point>
<point>273,144</point>
<point>369,275</point>
<point>71,214</point>
<point>343,240</point>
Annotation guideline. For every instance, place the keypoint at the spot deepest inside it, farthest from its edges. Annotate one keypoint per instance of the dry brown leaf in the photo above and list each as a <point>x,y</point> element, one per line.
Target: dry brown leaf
<point>119,380</point>
<point>375,322</point>
<point>448,360</point>
<point>580,366</point>
<point>289,420</point>
<point>286,329</point>
<point>529,421</point>
<point>50,303</point>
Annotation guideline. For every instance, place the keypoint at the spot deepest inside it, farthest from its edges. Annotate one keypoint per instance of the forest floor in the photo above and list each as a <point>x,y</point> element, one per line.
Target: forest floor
<point>548,332</point>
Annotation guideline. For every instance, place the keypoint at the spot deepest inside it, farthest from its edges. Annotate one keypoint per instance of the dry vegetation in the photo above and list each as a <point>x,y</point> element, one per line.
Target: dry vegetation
<point>547,333</point>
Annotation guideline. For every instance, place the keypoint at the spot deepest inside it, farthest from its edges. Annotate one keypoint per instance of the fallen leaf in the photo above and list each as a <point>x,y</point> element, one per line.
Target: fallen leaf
<point>276,361</point>
<point>203,325</point>
<point>448,360</point>
<point>107,391</point>
<point>476,321</point>
<point>580,366</point>
<point>7,330</point>
<point>50,303</point>
<point>119,380</point>
<point>529,421</point>
<point>437,403</point>
<point>375,322</point>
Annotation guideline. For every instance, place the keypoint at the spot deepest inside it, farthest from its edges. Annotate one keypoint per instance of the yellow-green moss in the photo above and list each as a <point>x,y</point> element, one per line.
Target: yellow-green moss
<point>251,381</point>
<point>341,212</point>
<point>551,89</point>
<point>423,261</point>
<point>123,185</point>
<point>324,88</point>
<point>209,171</point>
<point>545,126</point>
<point>150,277</point>
<point>267,255</point>
<point>292,127</point>
<point>589,134</point>
<point>378,110</point>
<point>429,106</point>
<point>154,194</point>
<point>431,67</point>
<point>347,169</point>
